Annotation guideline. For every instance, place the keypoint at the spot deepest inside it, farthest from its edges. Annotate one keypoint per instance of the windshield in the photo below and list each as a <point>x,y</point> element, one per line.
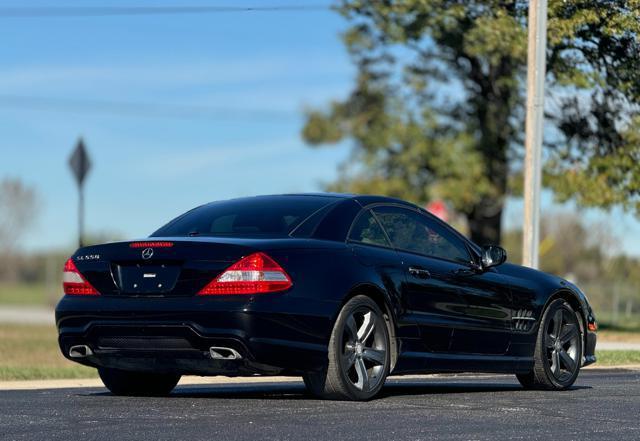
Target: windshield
<point>256,216</point>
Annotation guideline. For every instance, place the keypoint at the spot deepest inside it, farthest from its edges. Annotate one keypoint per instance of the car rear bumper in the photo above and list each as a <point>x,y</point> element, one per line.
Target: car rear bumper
<point>175,335</point>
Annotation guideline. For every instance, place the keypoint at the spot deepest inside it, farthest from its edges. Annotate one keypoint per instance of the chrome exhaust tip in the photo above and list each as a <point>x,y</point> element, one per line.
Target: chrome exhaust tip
<point>80,351</point>
<point>220,353</point>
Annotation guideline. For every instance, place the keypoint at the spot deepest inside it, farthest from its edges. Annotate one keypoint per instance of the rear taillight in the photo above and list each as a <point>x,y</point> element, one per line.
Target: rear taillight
<point>74,283</point>
<point>254,274</point>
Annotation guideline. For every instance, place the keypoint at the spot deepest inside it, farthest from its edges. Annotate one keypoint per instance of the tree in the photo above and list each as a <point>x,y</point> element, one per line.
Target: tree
<point>437,107</point>
<point>588,254</point>
<point>18,207</point>
<point>571,247</point>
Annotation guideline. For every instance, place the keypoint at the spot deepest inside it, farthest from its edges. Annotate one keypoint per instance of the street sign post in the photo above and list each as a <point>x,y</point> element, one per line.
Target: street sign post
<point>80,165</point>
<point>536,68</point>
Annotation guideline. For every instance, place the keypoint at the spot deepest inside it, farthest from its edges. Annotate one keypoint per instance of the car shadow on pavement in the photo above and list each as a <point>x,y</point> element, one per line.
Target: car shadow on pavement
<point>297,391</point>
<point>441,388</point>
<point>262,391</point>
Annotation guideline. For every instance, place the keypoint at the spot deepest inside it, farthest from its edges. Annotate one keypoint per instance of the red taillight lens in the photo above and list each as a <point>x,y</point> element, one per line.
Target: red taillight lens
<point>254,274</point>
<point>74,283</point>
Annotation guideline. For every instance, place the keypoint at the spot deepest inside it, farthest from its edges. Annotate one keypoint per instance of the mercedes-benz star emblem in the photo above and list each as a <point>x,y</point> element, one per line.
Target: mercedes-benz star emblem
<point>147,253</point>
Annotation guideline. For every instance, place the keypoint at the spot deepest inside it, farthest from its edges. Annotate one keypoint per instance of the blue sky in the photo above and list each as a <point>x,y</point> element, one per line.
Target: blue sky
<point>256,71</point>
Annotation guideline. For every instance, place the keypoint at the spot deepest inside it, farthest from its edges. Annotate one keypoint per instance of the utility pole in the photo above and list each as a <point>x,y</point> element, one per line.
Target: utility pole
<point>80,165</point>
<point>536,70</point>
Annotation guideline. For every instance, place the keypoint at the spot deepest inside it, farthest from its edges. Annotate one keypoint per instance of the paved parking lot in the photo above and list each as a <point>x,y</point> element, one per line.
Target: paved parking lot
<point>602,405</point>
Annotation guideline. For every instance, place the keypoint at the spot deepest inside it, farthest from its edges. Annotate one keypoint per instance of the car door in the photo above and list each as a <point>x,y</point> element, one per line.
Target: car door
<point>487,327</point>
<point>371,247</point>
<point>457,308</point>
<point>429,293</point>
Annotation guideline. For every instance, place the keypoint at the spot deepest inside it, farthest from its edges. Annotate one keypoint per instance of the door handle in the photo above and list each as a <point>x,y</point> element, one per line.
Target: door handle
<point>420,273</point>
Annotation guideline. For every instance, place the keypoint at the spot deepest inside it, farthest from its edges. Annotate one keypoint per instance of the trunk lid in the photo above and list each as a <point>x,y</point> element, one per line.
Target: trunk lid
<point>157,267</point>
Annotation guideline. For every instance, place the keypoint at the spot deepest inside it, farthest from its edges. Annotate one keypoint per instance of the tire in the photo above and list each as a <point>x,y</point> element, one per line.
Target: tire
<point>137,383</point>
<point>558,352</point>
<point>358,354</point>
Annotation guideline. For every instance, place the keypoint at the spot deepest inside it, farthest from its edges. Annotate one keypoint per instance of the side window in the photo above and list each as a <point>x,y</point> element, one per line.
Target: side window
<point>417,233</point>
<point>367,230</point>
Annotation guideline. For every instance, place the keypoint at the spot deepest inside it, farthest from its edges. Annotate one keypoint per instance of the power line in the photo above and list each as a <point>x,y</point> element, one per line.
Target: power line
<point>143,109</point>
<point>105,11</point>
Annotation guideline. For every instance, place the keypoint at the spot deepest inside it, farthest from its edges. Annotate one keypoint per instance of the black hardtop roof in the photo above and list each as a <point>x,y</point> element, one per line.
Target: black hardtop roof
<point>363,199</point>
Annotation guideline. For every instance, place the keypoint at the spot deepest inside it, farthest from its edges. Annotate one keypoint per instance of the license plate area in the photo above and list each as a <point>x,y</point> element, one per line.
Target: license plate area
<point>147,279</point>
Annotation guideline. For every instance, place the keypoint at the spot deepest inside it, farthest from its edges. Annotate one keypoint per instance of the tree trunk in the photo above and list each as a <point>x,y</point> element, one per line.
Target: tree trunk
<point>485,222</point>
<point>493,108</point>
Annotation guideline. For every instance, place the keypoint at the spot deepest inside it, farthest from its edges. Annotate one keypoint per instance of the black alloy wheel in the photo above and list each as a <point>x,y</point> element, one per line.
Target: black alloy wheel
<point>359,358</point>
<point>558,353</point>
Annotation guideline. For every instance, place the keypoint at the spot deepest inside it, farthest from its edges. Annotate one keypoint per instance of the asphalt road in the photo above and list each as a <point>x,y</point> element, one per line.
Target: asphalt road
<point>602,405</point>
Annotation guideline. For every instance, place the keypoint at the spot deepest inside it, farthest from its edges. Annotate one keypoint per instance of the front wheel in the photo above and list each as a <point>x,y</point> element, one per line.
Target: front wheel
<point>558,353</point>
<point>358,354</point>
<point>137,383</point>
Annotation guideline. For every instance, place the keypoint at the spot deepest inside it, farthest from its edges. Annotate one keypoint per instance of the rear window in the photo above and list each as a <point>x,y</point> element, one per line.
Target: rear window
<point>257,216</point>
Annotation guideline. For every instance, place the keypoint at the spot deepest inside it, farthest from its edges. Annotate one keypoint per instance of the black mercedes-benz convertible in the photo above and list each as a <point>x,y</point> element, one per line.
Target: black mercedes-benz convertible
<point>343,290</point>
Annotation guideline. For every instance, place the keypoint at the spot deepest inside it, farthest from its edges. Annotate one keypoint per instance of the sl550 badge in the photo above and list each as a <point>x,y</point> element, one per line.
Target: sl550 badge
<point>88,257</point>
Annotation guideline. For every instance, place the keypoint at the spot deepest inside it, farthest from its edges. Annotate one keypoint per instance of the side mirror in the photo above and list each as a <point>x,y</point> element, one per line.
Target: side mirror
<point>493,255</point>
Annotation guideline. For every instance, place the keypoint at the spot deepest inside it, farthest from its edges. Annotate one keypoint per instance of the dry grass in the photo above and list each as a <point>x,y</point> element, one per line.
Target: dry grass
<point>619,336</point>
<point>31,352</point>
<point>23,294</point>
<point>618,358</point>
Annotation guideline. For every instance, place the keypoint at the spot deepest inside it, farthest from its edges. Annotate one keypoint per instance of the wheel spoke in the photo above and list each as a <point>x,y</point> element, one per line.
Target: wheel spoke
<point>374,355</point>
<point>568,332</point>
<point>367,327</point>
<point>549,341</point>
<point>568,362</point>
<point>352,328</point>
<point>349,360</point>
<point>363,375</point>
<point>557,323</point>
<point>555,365</point>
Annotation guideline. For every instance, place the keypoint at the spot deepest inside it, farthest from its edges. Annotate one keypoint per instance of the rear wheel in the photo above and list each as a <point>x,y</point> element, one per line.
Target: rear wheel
<point>358,354</point>
<point>137,383</point>
<point>558,353</point>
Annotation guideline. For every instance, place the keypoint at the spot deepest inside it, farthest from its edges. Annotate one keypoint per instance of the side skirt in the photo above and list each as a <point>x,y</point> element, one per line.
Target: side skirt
<point>424,362</point>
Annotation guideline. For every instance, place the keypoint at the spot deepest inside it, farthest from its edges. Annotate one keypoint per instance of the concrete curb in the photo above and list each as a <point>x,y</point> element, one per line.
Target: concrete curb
<point>26,315</point>
<point>618,346</point>
<point>96,382</point>
<point>627,367</point>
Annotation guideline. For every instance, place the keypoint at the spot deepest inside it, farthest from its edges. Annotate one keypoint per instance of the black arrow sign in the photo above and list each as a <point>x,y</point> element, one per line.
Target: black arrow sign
<point>80,163</point>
